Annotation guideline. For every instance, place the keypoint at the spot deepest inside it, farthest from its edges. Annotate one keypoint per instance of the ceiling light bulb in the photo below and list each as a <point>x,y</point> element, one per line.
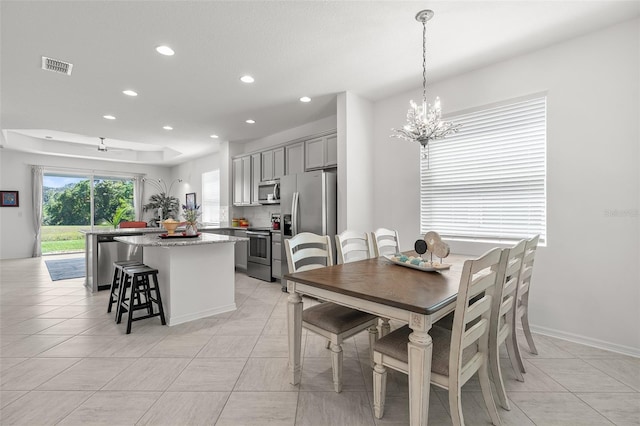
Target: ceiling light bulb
<point>214,136</point>
<point>109,117</point>
<point>250,121</point>
<point>130,93</point>
<point>247,79</point>
<point>165,50</point>
<point>168,128</point>
<point>305,99</point>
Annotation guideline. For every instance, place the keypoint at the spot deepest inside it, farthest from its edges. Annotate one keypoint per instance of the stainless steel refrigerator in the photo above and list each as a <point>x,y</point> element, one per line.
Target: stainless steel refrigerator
<point>308,203</point>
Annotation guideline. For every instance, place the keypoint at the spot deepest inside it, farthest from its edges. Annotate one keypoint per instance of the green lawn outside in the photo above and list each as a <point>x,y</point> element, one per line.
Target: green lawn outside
<point>60,239</point>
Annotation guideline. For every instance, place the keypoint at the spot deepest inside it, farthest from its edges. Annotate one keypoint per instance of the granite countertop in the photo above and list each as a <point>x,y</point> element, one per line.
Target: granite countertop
<point>156,241</point>
<point>127,231</point>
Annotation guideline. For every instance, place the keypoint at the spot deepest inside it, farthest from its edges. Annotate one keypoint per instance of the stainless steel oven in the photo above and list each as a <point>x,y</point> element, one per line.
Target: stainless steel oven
<point>259,254</point>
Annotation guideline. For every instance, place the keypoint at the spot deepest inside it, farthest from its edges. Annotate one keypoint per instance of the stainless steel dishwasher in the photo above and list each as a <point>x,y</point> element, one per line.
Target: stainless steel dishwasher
<point>110,251</point>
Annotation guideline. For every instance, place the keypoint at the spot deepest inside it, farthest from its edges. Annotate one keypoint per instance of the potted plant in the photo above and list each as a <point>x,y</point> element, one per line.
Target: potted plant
<point>163,204</point>
<point>191,215</point>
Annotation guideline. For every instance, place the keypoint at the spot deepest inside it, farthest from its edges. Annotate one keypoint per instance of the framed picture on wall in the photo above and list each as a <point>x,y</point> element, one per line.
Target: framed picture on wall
<point>191,200</point>
<point>9,199</point>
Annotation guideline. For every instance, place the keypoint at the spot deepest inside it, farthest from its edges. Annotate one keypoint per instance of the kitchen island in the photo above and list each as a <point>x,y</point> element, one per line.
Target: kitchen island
<point>101,250</point>
<point>196,275</point>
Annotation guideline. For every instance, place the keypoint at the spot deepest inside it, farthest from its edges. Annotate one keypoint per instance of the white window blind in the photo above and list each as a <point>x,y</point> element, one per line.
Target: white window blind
<point>211,197</point>
<point>487,182</point>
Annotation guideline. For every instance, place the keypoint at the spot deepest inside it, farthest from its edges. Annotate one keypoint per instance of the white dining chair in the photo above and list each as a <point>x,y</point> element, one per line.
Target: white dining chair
<point>334,322</point>
<point>522,294</point>
<point>353,246</point>
<point>501,325</point>
<point>457,354</point>
<point>385,242</point>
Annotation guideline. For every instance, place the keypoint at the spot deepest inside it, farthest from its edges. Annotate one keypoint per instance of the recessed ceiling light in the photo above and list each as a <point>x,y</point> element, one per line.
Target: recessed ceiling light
<point>109,117</point>
<point>250,121</point>
<point>168,128</point>
<point>214,136</point>
<point>130,93</point>
<point>305,99</point>
<point>165,50</point>
<point>247,79</point>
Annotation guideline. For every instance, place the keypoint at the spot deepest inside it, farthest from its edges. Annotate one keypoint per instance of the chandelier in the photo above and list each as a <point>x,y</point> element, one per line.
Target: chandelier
<point>424,122</point>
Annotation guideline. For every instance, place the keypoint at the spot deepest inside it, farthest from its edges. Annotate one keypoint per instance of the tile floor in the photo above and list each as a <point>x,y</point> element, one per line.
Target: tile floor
<point>64,361</point>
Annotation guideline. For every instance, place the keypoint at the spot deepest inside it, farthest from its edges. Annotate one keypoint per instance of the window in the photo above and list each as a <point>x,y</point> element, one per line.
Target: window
<point>74,201</point>
<point>211,197</point>
<point>487,182</point>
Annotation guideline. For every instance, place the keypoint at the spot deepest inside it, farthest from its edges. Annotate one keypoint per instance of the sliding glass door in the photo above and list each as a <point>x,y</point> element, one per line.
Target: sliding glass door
<point>73,202</point>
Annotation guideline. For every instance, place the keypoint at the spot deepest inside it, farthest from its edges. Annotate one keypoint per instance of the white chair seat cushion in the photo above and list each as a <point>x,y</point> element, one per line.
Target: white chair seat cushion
<point>394,345</point>
<point>335,318</point>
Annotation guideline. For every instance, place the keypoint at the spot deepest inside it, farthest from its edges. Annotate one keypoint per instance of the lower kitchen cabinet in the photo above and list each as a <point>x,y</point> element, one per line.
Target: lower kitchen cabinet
<point>276,255</point>
<point>241,249</point>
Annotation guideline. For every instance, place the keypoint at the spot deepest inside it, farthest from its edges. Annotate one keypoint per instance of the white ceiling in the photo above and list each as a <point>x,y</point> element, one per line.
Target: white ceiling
<point>292,48</point>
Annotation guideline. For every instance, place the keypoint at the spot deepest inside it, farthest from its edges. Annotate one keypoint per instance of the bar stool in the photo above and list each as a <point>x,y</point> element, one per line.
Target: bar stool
<point>118,275</point>
<point>138,279</point>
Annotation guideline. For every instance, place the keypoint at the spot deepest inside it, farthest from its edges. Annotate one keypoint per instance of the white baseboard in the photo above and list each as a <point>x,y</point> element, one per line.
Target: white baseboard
<point>588,341</point>
<point>179,319</point>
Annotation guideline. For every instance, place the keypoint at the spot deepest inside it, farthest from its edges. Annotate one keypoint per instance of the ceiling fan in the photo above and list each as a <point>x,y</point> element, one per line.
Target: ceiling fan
<point>102,147</point>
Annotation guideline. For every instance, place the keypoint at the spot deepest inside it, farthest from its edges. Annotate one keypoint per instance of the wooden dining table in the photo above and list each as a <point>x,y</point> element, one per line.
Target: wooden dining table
<point>387,290</point>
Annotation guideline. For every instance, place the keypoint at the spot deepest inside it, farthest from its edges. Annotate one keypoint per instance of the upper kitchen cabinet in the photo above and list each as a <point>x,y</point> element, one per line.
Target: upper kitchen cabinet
<point>321,152</point>
<point>272,164</point>
<point>242,181</point>
<point>256,160</point>
<point>294,156</point>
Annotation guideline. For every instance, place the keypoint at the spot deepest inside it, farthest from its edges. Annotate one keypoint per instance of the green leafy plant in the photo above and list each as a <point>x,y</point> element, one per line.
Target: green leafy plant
<point>170,205</point>
<point>119,215</point>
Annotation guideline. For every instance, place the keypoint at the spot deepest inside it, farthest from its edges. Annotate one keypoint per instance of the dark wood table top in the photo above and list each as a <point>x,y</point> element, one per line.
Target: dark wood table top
<point>378,280</point>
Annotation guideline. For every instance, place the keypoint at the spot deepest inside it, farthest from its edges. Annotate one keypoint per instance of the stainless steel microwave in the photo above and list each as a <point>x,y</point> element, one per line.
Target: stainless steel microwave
<point>269,192</point>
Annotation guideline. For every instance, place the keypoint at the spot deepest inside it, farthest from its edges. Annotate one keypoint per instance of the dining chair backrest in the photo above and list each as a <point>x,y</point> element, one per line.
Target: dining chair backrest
<point>139,224</point>
<point>480,277</point>
<point>503,320</point>
<point>385,242</point>
<point>308,251</point>
<point>352,246</point>
<point>505,303</point>
<point>527,266</point>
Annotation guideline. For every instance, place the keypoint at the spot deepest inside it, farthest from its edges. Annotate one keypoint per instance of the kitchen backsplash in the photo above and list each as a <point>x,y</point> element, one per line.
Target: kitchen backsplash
<point>259,216</point>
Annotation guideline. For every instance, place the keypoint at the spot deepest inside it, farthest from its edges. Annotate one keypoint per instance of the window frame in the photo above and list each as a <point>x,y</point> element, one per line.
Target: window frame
<point>493,111</point>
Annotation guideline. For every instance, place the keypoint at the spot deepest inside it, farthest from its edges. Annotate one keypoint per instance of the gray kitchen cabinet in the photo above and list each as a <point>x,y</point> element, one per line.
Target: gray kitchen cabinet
<point>237,181</point>
<point>273,163</point>
<point>246,180</point>
<point>242,181</point>
<point>321,152</point>
<point>332,151</point>
<point>267,165</point>
<point>294,156</point>
<point>278,163</point>
<point>256,175</point>
<point>276,255</point>
<point>241,250</point>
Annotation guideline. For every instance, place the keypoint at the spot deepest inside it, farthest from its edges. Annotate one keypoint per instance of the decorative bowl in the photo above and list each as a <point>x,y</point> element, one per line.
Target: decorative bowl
<point>170,225</point>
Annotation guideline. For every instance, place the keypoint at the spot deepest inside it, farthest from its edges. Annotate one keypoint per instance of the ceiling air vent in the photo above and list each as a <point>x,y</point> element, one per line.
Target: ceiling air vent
<point>56,65</point>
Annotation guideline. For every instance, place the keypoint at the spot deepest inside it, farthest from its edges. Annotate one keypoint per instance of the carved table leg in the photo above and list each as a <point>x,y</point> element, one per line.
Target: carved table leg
<point>294,317</point>
<point>420,348</point>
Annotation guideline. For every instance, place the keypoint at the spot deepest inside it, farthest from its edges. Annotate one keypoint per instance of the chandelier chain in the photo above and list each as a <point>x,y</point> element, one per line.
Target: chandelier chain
<point>424,61</point>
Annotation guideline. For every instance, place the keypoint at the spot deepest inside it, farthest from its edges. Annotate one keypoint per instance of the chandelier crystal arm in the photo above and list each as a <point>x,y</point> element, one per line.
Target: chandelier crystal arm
<point>424,122</point>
